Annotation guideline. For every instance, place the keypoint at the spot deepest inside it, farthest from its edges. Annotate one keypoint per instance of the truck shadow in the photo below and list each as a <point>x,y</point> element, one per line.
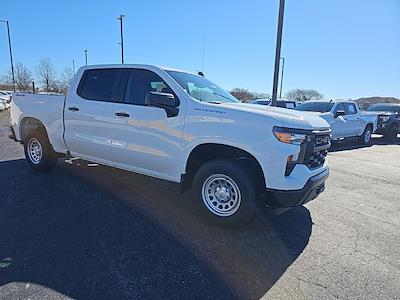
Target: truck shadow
<point>352,144</point>
<point>89,231</point>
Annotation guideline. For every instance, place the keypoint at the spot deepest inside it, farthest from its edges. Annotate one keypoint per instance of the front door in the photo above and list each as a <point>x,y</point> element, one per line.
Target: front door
<point>144,138</point>
<point>338,124</point>
<point>353,121</point>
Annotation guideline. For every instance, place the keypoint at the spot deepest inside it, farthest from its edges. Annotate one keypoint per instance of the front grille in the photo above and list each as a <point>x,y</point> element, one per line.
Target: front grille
<point>316,150</point>
<point>316,159</point>
<point>313,151</point>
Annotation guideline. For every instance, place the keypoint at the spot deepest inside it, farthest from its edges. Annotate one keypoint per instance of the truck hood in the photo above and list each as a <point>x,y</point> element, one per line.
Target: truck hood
<point>288,117</point>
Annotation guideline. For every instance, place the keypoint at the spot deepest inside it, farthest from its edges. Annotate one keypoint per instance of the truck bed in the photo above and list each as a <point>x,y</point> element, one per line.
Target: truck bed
<point>48,109</point>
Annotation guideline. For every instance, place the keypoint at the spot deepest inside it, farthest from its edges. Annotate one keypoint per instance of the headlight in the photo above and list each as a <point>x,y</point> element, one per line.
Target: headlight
<point>289,135</point>
<point>384,118</point>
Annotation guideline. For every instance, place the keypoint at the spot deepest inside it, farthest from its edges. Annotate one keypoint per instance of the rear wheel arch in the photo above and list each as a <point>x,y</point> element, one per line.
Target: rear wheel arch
<point>30,124</point>
<point>365,137</point>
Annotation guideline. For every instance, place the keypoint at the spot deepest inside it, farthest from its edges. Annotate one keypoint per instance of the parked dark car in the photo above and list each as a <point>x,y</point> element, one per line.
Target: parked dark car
<point>291,104</point>
<point>388,119</point>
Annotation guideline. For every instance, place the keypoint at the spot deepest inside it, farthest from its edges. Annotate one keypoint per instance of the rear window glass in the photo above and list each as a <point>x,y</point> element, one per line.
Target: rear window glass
<point>103,84</point>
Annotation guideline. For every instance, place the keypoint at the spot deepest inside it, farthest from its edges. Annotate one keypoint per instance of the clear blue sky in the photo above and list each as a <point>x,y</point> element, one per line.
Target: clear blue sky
<point>343,48</point>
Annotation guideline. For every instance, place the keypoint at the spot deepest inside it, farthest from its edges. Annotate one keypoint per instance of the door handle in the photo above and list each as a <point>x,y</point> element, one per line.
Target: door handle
<point>73,108</point>
<point>122,114</point>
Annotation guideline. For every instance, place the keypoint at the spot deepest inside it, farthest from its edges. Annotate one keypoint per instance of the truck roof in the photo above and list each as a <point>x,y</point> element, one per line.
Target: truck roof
<point>331,101</point>
<point>138,66</point>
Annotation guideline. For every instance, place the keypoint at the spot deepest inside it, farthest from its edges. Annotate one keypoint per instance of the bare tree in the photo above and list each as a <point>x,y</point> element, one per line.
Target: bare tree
<point>247,96</point>
<point>6,83</point>
<point>46,74</point>
<point>304,95</point>
<point>23,77</point>
<point>65,80</point>
<point>242,94</point>
<point>261,95</point>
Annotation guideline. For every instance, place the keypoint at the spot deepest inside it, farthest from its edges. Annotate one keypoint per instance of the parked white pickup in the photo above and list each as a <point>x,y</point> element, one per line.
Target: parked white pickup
<point>180,127</point>
<point>345,118</point>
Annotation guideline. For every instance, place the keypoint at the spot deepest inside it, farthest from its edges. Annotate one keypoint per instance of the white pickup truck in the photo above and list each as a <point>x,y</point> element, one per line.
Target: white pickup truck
<point>179,127</point>
<point>345,118</point>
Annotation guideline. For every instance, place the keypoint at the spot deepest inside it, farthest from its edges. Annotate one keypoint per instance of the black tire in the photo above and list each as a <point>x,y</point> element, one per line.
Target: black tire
<point>47,158</point>
<point>365,138</point>
<point>239,214</point>
<point>392,132</point>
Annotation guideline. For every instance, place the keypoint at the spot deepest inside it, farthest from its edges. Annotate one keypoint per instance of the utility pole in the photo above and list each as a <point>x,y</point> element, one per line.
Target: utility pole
<point>278,51</point>
<point>204,48</point>
<point>122,38</point>
<point>85,57</point>
<point>9,47</point>
<point>73,66</point>
<point>283,67</point>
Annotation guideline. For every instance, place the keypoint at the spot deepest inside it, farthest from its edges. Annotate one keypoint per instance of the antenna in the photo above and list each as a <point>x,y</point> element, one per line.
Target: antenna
<point>204,48</point>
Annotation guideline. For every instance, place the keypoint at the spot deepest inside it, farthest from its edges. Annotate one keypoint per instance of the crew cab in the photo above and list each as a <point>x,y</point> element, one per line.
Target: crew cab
<point>345,119</point>
<point>180,127</point>
<point>388,119</point>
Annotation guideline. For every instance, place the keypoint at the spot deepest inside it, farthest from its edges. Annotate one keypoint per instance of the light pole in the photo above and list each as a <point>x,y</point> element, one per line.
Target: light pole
<point>73,66</point>
<point>122,38</point>
<point>204,48</point>
<point>9,47</point>
<point>283,67</point>
<point>85,56</point>
<point>278,51</point>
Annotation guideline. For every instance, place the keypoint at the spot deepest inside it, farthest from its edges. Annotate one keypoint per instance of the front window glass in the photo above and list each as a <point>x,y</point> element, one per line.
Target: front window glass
<point>350,109</point>
<point>200,88</point>
<point>140,83</point>
<point>315,106</point>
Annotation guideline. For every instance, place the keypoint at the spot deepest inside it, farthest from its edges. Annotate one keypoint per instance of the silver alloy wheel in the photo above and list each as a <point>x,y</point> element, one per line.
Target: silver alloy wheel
<point>367,136</point>
<point>34,150</point>
<point>221,195</point>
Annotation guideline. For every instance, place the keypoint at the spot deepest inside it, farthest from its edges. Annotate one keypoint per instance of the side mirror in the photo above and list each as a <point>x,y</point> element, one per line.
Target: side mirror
<point>163,100</point>
<point>339,113</point>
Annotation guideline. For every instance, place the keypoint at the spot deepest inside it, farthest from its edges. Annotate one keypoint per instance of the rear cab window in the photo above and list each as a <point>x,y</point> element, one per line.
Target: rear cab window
<point>106,85</point>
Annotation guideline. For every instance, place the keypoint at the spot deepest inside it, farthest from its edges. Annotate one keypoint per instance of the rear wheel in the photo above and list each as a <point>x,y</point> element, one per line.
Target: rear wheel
<point>38,151</point>
<point>225,193</point>
<point>392,133</point>
<point>366,137</point>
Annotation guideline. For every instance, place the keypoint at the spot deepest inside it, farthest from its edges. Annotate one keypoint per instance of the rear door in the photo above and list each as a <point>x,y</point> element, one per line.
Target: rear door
<point>89,111</point>
<point>144,138</point>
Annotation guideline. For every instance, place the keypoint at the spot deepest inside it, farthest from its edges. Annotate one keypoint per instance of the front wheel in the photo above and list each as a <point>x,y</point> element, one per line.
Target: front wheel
<point>391,133</point>
<point>38,152</point>
<point>225,193</point>
<point>366,137</point>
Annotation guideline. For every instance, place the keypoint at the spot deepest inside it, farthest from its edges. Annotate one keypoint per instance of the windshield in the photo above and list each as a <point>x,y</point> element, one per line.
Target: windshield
<point>380,107</point>
<point>200,88</point>
<point>315,106</point>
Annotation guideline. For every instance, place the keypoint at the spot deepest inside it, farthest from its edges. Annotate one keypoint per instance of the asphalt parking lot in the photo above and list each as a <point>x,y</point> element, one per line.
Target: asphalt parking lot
<point>88,231</point>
